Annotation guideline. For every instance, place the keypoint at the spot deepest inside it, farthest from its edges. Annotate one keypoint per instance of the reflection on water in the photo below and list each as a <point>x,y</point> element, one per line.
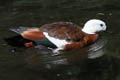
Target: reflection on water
<point>96,50</point>
<point>86,63</point>
<point>51,60</point>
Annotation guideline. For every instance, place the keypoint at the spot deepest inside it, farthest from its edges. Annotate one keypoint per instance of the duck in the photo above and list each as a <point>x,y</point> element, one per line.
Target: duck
<point>61,35</point>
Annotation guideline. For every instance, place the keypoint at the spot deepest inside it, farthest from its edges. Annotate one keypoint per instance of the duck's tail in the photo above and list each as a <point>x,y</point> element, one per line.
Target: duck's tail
<point>28,37</point>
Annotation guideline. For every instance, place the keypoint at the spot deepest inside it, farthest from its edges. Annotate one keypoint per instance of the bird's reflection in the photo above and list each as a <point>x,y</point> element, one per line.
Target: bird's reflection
<point>97,49</point>
<point>45,56</point>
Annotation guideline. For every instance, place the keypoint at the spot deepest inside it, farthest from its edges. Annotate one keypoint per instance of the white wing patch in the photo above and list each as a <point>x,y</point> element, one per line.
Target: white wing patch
<point>56,41</point>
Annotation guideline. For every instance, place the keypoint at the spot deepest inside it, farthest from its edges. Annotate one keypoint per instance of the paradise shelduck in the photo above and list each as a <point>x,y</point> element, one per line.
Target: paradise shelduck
<point>60,35</point>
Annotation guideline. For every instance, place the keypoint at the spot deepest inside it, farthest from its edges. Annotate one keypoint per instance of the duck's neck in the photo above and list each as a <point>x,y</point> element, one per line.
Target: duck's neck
<point>93,37</point>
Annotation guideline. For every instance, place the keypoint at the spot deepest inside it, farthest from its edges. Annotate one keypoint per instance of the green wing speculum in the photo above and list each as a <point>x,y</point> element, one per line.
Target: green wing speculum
<point>45,42</point>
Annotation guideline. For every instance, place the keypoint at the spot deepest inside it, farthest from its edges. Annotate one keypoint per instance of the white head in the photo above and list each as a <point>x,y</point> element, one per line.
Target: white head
<point>94,25</point>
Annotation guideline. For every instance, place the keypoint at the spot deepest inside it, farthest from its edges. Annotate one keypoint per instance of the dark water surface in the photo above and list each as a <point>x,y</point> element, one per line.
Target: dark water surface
<point>100,61</point>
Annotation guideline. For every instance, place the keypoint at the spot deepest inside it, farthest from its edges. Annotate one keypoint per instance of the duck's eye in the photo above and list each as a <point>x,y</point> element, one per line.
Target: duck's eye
<point>101,25</point>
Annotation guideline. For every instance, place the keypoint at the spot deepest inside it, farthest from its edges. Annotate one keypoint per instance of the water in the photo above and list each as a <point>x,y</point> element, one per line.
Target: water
<point>99,61</point>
